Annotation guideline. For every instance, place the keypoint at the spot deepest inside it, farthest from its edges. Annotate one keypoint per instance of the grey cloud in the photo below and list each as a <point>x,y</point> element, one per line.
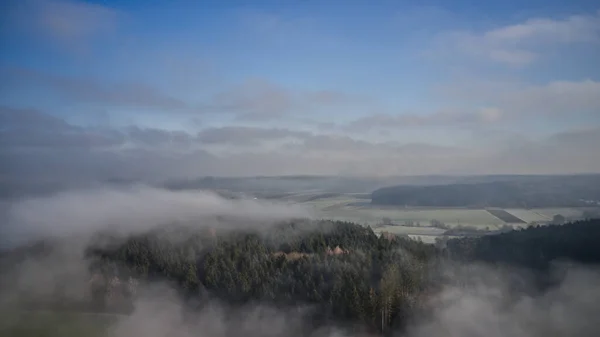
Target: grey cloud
<point>257,100</point>
<point>327,97</point>
<point>441,118</point>
<point>485,305</point>
<point>246,135</point>
<point>90,91</point>
<point>68,153</point>
<point>49,139</point>
<point>34,129</point>
<point>582,139</point>
<point>336,143</point>
<point>565,152</point>
<point>516,100</point>
<point>254,100</point>
<point>558,97</point>
<point>82,213</point>
<point>68,24</point>
<point>159,137</point>
<point>30,118</point>
<point>24,128</point>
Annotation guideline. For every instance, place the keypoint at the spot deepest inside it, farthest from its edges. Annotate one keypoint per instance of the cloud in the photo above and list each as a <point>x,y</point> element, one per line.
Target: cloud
<point>70,154</point>
<point>246,136</point>
<point>563,152</point>
<point>474,299</point>
<point>69,24</point>
<point>256,99</point>
<point>160,313</point>
<point>259,100</point>
<point>253,100</point>
<point>74,217</point>
<point>517,100</point>
<point>89,90</point>
<point>32,119</point>
<point>574,28</point>
<point>447,118</point>
<point>131,210</point>
<point>486,305</point>
<point>159,137</point>
<point>26,128</point>
<point>520,44</point>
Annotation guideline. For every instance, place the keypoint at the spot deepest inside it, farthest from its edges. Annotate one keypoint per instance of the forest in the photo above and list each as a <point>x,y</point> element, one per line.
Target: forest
<point>343,271</point>
<point>517,192</point>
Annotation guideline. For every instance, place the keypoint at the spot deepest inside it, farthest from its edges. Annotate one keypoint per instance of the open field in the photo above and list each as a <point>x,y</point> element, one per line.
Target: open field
<point>528,215</point>
<point>416,222</point>
<point>505,216</point>
<point>421,217</point>
<point>346,207</point>
<point>405,230</point>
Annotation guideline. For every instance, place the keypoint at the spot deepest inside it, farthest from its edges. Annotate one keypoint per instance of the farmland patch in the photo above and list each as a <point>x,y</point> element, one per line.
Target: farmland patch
<point>505,216</point>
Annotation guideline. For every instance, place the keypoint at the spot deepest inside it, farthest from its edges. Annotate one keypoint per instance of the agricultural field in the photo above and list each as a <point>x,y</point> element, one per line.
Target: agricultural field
<point>416,222</point>
<point>420,217</point>
<point>546,214</point>
<point>568,213</point>
<point>505,216</point>
<point>410,230</point>
<point>528,215</point>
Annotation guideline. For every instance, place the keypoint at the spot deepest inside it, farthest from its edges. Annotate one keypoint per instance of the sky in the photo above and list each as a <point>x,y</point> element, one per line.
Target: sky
<point>180,89</point>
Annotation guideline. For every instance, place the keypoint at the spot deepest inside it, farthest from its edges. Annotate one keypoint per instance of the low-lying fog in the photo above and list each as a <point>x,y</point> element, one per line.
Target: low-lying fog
<point>485,308</point>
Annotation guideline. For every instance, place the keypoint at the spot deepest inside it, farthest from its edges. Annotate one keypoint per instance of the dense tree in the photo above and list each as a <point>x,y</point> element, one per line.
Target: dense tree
<point>518,192</point>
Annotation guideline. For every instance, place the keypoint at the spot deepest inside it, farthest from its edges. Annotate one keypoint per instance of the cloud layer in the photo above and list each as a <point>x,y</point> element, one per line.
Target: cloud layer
<point>289,94</point>
<point>40,147</point>
<point>132,210</point>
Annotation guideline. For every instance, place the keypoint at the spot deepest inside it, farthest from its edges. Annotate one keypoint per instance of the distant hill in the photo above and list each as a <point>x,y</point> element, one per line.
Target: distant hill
<point>518,192</point>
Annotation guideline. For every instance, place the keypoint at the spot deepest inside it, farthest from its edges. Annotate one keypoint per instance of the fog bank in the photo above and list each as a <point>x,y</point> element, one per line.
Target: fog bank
<point>132,210</point>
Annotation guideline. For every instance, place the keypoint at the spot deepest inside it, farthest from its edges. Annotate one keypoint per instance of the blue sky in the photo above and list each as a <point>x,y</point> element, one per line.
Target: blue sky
<point>355,86</point>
